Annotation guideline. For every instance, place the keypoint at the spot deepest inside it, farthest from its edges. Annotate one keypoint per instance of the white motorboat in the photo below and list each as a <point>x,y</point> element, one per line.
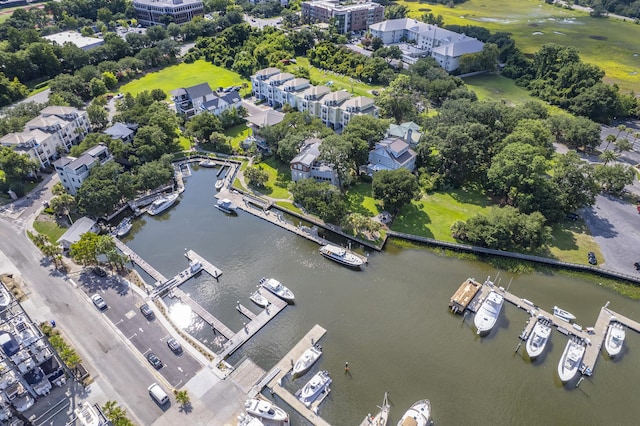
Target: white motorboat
<point>226,205</point>
<point>5,297</point>
<point>123,227</point>
<point>563,315</point>
<point>488,313</point>
<point>275,287</point>
<point>308,358</point>
<point>247,420</point>
<point>257,298</point>
<point>571,359</point>
<point>208,163</point>
<point>315,388</point>
<point>538,338</point>
<point>162,204</point>
<point>615,339</point>
<point>341,255</point>
<point>419,414</point>
<point>265,410</point>
<point>219,184</point>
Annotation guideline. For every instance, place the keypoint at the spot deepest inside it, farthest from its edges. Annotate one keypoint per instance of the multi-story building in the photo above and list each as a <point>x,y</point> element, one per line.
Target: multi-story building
<point>335,109</point>
<point>73,171</point>
<point>347,17</point>
<point>163,12</point>
<point>54,131</point>
<point>445,46</point>
<point>193,100</point>
<point>306,165</point>
<point>391,154</point>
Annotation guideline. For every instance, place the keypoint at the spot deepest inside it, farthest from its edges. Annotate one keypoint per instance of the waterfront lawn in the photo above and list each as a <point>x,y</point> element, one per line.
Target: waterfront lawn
<point>185,142</point>
<point>320,77</point>
<point>570,242</point>
<point>608,43</point>
<point>50,229</point>
<point>185,75</point>
<point>360,200</point>
<point>279,178</point>
<point>238,134</point>
<point>289,206</point>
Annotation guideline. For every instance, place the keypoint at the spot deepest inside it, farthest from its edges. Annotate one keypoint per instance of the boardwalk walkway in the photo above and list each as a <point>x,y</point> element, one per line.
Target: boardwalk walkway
<point>214,322</point>
<point>140,262</point>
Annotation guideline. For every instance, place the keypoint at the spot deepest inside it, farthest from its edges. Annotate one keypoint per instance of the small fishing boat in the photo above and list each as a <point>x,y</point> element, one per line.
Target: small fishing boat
<point>614,339</point>
<point>257,298</point>
<point>275,287</point>
<point>315,388</point>
<point>219,184</point>
<point>419,414</point>
<point>308,358</point>
<point>488,313</point>
<point>208,163</point>
<point>538,338</point>
<point>571,360</point>
<point>563,315</point>
<point>265,410</point>
<point>226,205</point>
<point>123,227</point>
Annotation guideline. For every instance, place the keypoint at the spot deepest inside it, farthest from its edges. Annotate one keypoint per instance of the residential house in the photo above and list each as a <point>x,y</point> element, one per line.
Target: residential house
<point>347,17</point>
<point>409,132</point>
<point>360,105</point>
<point>391,154</point>
<point>275,92</point>
<point>221,101</point>
<point>306,165</point>
<point>73,171</point>
<point>55,130</point>
<point>445,46</point>
<point>124,132</point>
<point>193,100</point>
<point>76,231</point>
<point>161,12</point>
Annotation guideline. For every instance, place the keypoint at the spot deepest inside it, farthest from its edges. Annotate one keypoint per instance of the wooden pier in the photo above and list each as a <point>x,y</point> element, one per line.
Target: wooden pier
<point>245,311</point>
<point>465,294</point>
<point>140,262</point>
<point>206,265</point>
<point>206,316</point>
<point>282,369</point>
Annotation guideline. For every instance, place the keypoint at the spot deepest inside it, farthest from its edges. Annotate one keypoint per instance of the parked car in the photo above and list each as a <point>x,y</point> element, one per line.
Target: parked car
<point>154,360</point>
<point>637,266</point>
<point>592,258</point>
<point>99,271</point>
<point>99,302</point>
<point>147,312</point>
<point>174,345</point>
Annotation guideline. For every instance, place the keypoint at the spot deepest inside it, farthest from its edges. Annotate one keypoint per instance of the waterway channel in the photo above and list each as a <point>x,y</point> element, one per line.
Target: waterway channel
<point>391,323</point>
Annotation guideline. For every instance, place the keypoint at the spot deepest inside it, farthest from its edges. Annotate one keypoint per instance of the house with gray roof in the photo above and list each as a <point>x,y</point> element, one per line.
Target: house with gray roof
<point>307,164</point>
<point>193,100</point>
<point>391,154</point>
<point>73,171</point>
<point>120,131</point>
<point>76,231</point>
<point>409,132</point>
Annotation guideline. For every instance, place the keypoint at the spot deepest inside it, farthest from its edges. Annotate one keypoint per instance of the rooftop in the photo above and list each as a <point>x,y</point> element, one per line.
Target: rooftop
<point>76,38</point>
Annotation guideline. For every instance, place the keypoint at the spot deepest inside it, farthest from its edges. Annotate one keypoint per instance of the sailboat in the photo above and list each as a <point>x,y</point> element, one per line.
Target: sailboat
<point>382,417</point>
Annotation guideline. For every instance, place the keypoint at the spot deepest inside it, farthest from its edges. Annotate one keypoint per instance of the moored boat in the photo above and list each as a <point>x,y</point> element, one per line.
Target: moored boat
<point>570,360</point>
<point>219,184</point>
<point>488,313</point>
<point>208,163</point>
<point>538,338</point>
<point>275,287</point>
<point>614,339</point>
<point>315,388</point>
<point>226,205</point>
<point>306,361</point>
<point>563,315</point>
<point>419,414</point>
<point>341,255</point>
<point>123,227</point>
<point>257,298</point>
<point>265,410</point>
<point>5,297</point>
<point>162,204</point>
<point>382,417</point>
<point>248,420</point>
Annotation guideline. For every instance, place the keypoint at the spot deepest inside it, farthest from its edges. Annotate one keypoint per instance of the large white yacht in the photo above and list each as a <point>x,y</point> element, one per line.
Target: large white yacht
<point>275,287</point>
<point>570,360</point>
<point>341,255</point>
<point>419,414</point>
<point>488,313</point>
<point>162,203</point>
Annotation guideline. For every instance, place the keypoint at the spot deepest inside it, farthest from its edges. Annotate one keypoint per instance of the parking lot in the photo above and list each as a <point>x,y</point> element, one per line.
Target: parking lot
<point>145,335</point>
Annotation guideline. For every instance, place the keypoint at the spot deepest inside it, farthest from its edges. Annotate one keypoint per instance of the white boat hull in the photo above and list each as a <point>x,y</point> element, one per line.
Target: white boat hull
<point>265,410</point>
<point>315,388</point>
<point>341,255</point>
<point>306,361</point>
<point>487,316</point>
<point>614,339</point>
<point>257,298</point>
<point>162,204</point>
<point>563,315</point>
<point>275,287</point>
<point>538,339</point>
<point>418,415</point>
<point>570,361</point>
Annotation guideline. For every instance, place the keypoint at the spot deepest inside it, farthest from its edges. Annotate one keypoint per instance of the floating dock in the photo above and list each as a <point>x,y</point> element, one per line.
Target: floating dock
<point>206,265</point>
<point>206,316</point>
<point>140,261</point>
<point>465,294</point>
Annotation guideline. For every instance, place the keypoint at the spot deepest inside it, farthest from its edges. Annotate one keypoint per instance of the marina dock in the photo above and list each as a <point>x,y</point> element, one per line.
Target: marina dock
<point>283,368</point>
<point>465,294</point>
<point>206,265</point>
<point>140,262</point>
<point>207,317</point>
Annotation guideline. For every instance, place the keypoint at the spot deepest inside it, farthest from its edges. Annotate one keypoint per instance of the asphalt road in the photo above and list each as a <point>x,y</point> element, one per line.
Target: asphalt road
<point>118,373</point>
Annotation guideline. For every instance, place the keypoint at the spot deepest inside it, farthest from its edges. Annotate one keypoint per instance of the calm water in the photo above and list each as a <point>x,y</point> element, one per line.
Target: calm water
<point>391,323</point>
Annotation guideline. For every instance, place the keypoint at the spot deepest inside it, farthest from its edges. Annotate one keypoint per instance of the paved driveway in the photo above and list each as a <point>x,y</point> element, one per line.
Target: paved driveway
<point>615,225</point>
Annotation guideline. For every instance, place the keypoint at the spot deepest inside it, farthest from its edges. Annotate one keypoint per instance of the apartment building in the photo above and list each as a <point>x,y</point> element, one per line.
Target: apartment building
<point>53,132</point>
<point>163,12</point>
<point>73,171</point>
<point>346,16</point>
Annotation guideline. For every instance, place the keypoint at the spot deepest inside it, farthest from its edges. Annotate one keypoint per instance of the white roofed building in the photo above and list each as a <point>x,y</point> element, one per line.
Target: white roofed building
<point>74,37</point>
<point>162,12</point>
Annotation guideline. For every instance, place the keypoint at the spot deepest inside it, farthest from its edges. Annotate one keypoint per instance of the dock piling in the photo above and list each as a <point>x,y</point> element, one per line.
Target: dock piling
<point>518,347</point>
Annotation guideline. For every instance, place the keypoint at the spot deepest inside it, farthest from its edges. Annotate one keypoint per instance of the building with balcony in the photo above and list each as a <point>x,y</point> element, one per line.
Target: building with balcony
<point>306,165</point>
<point>391,154</point>
<point>360,105</point>
<point>346,16</point>
<point>53,132</point>
<point>73,171</point>
<point>163,12</point>
<point>196,99</point>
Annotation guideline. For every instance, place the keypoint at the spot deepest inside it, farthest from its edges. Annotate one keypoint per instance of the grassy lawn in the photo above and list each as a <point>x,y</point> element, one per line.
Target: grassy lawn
<point>609,43</point>
<point>185,75</point>
<point>238,134</point>
<point>279,178</point>
<point>494,87</point>
<point>571,243</point>
<point>320,77</point>
<point>50,229</point>
<point>289,206</point>
<point>359,200</point>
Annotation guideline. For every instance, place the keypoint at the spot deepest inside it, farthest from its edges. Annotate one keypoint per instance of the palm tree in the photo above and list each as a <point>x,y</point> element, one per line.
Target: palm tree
<point>610,138</point>
<point>41,240</point>
<point>623,145</point>
<point>51,251</point>
<point>182,398</point>
<point>609,156</point>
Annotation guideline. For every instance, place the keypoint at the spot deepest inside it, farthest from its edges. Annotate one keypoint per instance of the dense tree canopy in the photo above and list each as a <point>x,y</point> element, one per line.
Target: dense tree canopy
<point>395,187</point>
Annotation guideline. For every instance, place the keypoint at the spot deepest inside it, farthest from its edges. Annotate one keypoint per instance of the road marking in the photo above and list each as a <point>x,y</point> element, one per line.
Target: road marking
<point>132,336</point>
<point>73,282</point>
<point>180,369</point>
<point>141,330</point>
<point>116,323</point>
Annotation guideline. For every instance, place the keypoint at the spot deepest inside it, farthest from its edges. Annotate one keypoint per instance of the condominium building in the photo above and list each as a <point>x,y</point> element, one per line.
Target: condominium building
<point>347,16</point>
<point>53,132</point>
<point>335,109</point>
<point>427,40</point>
<point>73,171</point>
<point>163,12</point>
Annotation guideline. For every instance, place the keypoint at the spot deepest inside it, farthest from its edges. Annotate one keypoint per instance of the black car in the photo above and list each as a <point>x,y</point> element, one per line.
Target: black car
<point>637,266</point>
<point>99,271</point>
<point>592,258</point>
<point>147,312</point>
<point>154,360</point>
<point>174,345</point>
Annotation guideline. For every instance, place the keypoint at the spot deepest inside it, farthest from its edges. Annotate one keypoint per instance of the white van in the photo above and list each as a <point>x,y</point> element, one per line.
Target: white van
<point>158,394</point>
